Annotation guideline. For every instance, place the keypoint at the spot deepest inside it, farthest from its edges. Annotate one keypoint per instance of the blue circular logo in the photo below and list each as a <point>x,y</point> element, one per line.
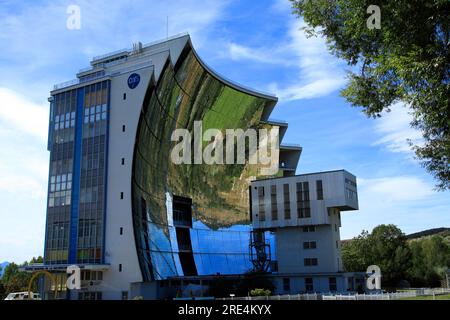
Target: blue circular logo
<point>133,80</point>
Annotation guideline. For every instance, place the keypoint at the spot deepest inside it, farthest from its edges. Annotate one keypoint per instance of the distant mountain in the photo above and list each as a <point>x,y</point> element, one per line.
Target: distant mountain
<point>430,232</point>
<point>3,265</point>
<point>444,232</point>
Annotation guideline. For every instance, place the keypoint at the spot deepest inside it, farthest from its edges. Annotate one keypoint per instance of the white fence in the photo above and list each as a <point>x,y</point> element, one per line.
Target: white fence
<point>378,296</point>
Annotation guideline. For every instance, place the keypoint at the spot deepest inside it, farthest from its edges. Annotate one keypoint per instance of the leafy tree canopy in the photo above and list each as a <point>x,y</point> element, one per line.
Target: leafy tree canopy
<point>407,59</point>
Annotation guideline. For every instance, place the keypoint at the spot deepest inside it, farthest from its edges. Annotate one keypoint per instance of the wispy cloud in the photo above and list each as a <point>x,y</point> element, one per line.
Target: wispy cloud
<point>315,72</point>
<point>407,201</point>
<point>23,115</point>
<point>396,188</point>
<point>395,128</point>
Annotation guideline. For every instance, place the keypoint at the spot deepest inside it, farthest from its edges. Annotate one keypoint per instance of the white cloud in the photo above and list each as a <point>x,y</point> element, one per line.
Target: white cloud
<point>395,128</point>
<point>317,72</point>
<point>23,176</point>
<point>407,201</point>
<point>395,189</point>
<point>38,51</point>
<point>21,114</point>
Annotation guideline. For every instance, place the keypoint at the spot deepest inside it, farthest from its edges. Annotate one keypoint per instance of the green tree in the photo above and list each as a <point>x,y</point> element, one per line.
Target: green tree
<point>14,280</point>
<point>385,247</point>
<point>430,258</point>
<point>407,59</point>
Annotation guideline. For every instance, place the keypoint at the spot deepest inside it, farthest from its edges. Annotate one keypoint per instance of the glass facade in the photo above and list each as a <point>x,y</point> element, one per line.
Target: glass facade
<point>217,238</point>
<point>76,193</point>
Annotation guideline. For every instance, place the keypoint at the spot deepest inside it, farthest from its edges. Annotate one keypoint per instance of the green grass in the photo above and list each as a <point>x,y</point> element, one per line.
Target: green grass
<point>437,297</point>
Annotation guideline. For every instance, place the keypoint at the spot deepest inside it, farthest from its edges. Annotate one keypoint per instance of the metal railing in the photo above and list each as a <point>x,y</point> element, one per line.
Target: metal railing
<point>330,296</point>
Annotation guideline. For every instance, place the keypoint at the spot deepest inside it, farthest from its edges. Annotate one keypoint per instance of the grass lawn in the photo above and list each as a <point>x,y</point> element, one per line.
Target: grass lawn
<point>440,297</point>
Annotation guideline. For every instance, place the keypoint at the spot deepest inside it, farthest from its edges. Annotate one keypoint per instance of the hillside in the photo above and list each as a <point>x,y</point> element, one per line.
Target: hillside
<point>444,232</point>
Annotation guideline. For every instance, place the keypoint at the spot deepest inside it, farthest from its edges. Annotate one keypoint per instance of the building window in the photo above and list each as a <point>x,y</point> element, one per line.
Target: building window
<point>90,296</point>
<point>286,284</point>
<point>309,229</point>
<point>332,283</point>
<point>319,190</point>
<point>121,231</point>
<point>123,128</point>
<point>337,244</point>
<point>309,245</point>
<point>121,195</point>
<point>261,211</point>
<point>273,201</point>
<point>124,295</point>
<point>120,267</point>
<point>124,96</point>
<point>287,202</point>
<point>303,205</point>
<point>309,286</point>
<point>309,262</point>
<point>123,161</point>
<point>335,227</point>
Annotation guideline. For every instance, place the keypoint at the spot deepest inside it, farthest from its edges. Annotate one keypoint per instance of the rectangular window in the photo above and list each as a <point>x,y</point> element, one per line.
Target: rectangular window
<point>120,267</point>
<point>124,295</point>
<point>124,96</point>
<point>286,284</point>
<point>319,190</point>
<point>287,202</point>
<point>309,286</point>
<point>332,283</point>
<point>121,231</point>
<point>121,195</point>
<point>309,245</point>
<point>261,211</point>
<point>123,128</point>
<point>309,262</point>
<point>303,204</point>
<point>309,229</point>
<point>273,201</point>
<point>123,161</point>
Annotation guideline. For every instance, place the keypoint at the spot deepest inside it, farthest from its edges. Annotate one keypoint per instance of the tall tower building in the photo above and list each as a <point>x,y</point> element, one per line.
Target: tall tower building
<point>117,206</point>
<point>138,224</point>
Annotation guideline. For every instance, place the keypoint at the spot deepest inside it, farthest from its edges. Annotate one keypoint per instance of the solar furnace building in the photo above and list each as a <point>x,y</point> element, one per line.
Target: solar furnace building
<point>117,206</point>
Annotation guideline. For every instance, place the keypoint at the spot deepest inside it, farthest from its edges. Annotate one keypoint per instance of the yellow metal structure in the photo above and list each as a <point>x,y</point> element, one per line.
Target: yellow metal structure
<point>46,273</point>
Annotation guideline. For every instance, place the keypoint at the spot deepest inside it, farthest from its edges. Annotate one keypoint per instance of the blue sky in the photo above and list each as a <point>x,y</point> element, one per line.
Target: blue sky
<point>256,43</point>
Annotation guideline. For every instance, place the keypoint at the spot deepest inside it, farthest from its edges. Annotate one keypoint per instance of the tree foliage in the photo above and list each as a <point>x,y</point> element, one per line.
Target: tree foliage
<point>385,247</point>
<point>14,280</point>
<point>422,262</point>
<point>407,60</point>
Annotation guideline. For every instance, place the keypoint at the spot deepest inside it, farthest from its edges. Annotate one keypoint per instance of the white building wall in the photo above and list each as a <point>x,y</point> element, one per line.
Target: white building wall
<point>121,249</point>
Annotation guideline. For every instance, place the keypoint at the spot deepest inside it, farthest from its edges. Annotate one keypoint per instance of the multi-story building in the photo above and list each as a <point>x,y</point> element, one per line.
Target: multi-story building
<point>138,224</point>
<point>304,214</point>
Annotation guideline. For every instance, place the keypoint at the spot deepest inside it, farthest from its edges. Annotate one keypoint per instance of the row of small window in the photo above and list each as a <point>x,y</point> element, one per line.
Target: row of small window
<point>59,198</point>
<point>90,295</point>
<point>89,255</point>
<point>61,166</point>
<point>88,228</point>
<point>350,182</point>
<point>303,202</point>
<point>61,182</point>
<point>309,245</point>
<point>88,275</point>
<point>350,194</point>
<point>309,284</point>
<point>64,121</point>
<point>310,262</point>
<point>90,194</point>
<point>95,113</point>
